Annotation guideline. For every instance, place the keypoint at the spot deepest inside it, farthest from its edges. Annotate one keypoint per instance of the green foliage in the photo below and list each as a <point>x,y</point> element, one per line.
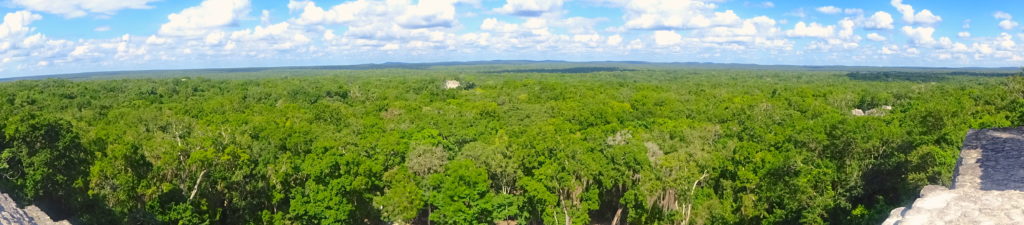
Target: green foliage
<point>644,146</point>
<point>463,195</point>
<point>44,161</point>
<point>403,199</point>
<point>1015,84</point>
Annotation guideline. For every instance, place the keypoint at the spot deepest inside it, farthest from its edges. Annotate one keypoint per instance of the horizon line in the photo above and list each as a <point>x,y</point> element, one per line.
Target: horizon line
<point>484,62</point>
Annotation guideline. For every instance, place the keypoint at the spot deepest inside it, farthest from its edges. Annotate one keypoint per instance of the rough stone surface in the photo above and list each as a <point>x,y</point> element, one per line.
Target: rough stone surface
<point>10,214</point>
<point>880,111</point>
<point>988,185</point>
<point>451,84</point>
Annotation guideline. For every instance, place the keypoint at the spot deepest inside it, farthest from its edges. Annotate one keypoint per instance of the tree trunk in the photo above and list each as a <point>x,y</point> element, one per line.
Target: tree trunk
<point>196,188</point>
<point>568,219</point>
<point>689,206</point>
<point>618,214</point>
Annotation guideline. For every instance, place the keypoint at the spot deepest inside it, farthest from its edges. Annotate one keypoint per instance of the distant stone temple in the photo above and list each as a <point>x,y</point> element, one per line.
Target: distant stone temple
<point>880,111</point>
<point>988,185</point>
<point>451,84</point>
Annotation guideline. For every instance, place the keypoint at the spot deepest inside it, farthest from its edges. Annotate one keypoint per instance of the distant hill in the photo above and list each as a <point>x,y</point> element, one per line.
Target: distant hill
<point>505,66</point>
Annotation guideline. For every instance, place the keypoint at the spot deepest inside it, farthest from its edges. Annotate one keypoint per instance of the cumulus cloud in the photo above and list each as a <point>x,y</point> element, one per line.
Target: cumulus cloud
<point>924,17</point>
<point>664,37</point>
<point>829,10</point>
<point>878,21</point>
<point>208,16</point>
<point>530,8</point>
<point>429,13</point>
<point>614,40</point>
<point>920,35</point>
<point>342,13</point>
<point>265,17</point>
<point>1006,20</point>
<point>536,34</point>
<point>766,4</point>
<point>79,8</point>
<point>876,37</point>
<point>1008,24</point>
<point>15,25</point>
<point>757,32</point>
<point>19,45</point>
<point>816,30</point>
<point>424,14</point>
<point>374,30</point>
<point>676,14</point>
<point>278,36</point>
<point>531,27</point>
<point>846,28</point>
<point>1002,15</point>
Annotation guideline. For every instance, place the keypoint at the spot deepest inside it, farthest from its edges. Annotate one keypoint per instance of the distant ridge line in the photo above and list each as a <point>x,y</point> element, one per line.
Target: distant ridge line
<point>428,65</point>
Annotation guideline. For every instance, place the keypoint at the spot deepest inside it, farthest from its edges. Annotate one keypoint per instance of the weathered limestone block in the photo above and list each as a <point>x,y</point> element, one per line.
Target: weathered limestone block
<point>988,185</point>
<point>10,214</point>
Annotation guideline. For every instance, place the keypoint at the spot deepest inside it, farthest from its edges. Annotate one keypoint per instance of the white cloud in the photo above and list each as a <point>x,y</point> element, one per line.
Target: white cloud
<point>278,36</point>
<point>1008,24</point>
<point>1005,42</point>
<point>155,40</point>
<point>1002,15</point>
<point>101,29</point>
<point>879,20</point>
<point>766,4</point>
<point>30,51</point>
<point>265,17</point>
<point>876,37</point>
<point>530,8</point>
<point>577,25</point>
<point>924,17</point>
<point>407,30</point>
<point>799,12</point>
<point>366,13</point>
<point>208,16</point>
<point>757,32</point>
<point>920,35</point>
<point>532,27</point>
<point>341,13</point>
<point>79,8</point>
<point>813,30</point>
<point>846,28</point>
<point>664,37</point>
<point>534,33</point>
<point>15,24</point>
<point>1006,20</point>
<point>676,14</point>
<point>829,10</point>
<point>429,13</point>
<point>614,40</point>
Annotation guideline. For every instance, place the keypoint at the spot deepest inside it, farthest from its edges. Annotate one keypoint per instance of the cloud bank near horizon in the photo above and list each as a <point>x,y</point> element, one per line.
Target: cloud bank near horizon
<point>237,33</point>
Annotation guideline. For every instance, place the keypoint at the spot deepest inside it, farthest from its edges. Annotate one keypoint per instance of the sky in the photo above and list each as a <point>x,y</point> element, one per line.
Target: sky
<point>70,36</point>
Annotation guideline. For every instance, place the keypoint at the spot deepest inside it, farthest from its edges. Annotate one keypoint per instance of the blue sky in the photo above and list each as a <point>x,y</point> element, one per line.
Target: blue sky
<point>67,36</point>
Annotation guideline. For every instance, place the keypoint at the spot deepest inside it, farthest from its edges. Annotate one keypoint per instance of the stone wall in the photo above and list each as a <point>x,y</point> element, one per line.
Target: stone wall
<point>10,214</point>
<point>987,185</point>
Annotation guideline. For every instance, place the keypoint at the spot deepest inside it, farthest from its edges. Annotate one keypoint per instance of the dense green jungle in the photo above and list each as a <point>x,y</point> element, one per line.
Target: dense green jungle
<point>512,144</point>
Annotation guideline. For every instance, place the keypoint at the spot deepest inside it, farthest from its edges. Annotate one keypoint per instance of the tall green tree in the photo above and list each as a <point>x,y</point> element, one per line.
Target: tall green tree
<point>463,195</point>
